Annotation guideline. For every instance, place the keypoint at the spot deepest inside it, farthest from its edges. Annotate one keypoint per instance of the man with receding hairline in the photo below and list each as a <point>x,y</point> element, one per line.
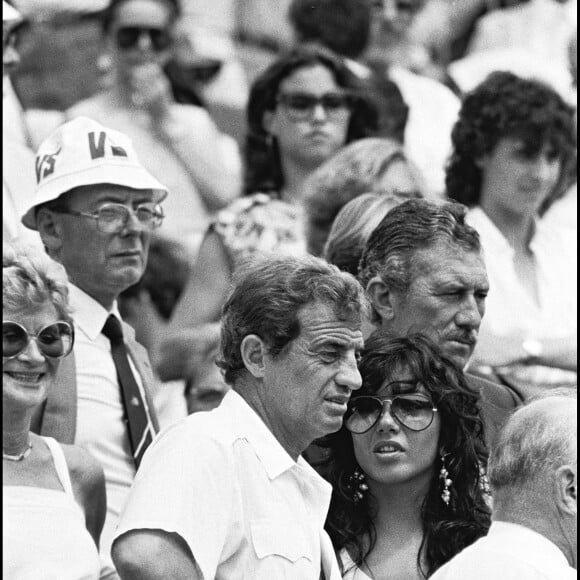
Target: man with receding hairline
<point>533,475</point>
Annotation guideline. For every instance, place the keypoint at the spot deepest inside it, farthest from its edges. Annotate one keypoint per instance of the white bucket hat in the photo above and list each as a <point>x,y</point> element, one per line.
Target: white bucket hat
<point>83,152</point>
<point>9,13</point>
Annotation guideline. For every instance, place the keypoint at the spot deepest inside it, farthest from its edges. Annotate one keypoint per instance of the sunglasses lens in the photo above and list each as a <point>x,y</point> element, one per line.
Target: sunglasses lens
<point>14,339</point>
<point>414,412</point>
<point>55,340</point>
<point>364,412</point>
<point>159,39</point>
<point>127,37</point>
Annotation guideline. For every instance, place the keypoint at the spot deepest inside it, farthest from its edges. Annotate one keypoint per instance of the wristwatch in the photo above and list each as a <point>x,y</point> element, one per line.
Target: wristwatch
<point>533,348</point>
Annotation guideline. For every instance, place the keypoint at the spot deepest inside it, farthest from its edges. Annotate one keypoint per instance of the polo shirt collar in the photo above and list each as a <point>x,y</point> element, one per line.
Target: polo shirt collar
<point>270,452</point>
<point>89,316</point>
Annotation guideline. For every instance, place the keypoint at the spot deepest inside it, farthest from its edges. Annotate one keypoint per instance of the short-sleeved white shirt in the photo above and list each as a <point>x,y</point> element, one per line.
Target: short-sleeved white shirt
<point>508,552</point>
<point>247,511</point>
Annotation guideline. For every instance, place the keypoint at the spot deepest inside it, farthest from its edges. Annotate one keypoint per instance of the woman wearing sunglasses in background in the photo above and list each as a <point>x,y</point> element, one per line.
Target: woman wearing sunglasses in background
<point>53,495</point>
<point>302,110</point>
<point>406,467</point>
<point>179,144</point>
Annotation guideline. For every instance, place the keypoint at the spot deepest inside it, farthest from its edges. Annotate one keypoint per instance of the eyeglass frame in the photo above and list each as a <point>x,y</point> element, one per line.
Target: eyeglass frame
<point>95,215</point>
<point>391,399</point>
<point>164,35</point>
<point>315,101</point>
<point>35,338</point>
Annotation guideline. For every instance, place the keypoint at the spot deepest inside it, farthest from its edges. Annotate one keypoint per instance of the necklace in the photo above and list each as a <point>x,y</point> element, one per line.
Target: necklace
<point>20,456</point>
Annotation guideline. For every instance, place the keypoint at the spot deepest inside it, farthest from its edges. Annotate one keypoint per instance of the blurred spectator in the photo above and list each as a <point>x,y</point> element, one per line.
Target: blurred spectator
<point>302,110</point>
<point>180,144</point>
<point>53,495</point>
<point>366,166</point>
<point>18,173</point>
<point>529,39</point>
<point>514,153</point>
<point>352,228</point>
<point>533,472</point>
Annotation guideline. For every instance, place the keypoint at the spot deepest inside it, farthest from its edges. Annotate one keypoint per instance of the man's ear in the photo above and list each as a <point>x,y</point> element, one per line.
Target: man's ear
<point>253,352</point>
<point>567,489</point>
<point>50,230</point>
<point>382,298</point>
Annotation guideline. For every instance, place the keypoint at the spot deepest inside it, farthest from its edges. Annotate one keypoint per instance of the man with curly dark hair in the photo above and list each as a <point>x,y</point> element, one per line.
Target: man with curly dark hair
<point>514,154</point>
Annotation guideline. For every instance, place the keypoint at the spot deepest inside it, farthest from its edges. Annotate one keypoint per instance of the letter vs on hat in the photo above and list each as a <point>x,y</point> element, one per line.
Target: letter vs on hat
<point>83,152</point>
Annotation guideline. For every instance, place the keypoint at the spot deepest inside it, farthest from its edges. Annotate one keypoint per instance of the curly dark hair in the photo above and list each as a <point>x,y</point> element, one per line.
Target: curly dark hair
<point>447,529</point>
<point>507,106</point>
<point>262,157</point>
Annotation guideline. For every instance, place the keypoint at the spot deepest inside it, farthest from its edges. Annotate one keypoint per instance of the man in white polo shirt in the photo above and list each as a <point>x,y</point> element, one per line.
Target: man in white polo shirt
<point>95,208</point>
<point>226,493</point>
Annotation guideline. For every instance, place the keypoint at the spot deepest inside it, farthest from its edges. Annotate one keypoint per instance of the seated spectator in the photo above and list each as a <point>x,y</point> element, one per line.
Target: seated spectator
<point>533,472</point>
<point>407,466</point>
<point>53,495</point>
<point>514,154</point>
<point>18,173</point>
<point>431,108</point>
<point>301,111</point>
<point>239,500</point>
<point>179,144</point>
<point>367,166</point>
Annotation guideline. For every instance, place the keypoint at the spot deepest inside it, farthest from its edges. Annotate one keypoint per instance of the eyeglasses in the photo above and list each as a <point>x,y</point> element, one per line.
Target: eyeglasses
<point>129,36</point>
<point>402,6</point>
<point>113,218</point>
<point>414,411</point>
<point>301,106</point>
<point>54,340</point>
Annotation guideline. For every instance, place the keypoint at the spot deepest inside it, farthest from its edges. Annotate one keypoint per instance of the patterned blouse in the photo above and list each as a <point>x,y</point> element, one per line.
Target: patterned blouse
<point>260,223</point>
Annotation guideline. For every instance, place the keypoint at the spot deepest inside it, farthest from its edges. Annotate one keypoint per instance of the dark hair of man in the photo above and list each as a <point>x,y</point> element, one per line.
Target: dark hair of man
<point>262,157</point>
<point>267,296</point>
<point>108,14</point>
<point>341,25</point>
<point>409,227</point>
<point>447,529</point>
<point>507,106</point>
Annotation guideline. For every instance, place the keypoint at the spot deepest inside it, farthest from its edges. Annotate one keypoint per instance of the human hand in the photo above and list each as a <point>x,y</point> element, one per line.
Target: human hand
<point>183,352</point>
<point>151,90</point>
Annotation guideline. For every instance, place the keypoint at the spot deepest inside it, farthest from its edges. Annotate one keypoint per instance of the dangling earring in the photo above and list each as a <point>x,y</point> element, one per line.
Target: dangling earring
<point>357,485</point>
<point>484,481</point>
<point>446,481</point>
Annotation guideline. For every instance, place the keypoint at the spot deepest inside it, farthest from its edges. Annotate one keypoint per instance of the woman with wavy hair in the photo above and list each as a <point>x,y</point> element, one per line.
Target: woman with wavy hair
<point>514,154</point>
<point>407,467</point>
<point>302,110</point>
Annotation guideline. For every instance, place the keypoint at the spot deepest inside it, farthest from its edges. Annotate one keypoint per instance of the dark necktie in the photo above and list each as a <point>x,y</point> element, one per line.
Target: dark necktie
<point>141,429</point>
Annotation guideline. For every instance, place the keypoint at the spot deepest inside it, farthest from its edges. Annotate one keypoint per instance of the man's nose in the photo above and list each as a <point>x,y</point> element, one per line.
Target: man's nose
<point>470,314</point>
<point>349,375</point>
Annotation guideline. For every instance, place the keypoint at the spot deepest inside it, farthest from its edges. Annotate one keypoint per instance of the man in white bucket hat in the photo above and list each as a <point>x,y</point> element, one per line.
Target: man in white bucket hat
<point>95,208</point>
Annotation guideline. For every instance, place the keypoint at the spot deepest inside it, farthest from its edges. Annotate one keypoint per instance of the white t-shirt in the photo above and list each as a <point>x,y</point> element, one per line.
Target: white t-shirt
<point>246,510</point>
<point>508,552</point>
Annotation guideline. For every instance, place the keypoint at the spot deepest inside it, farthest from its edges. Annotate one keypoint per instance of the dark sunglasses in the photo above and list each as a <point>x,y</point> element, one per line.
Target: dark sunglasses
<point>300,106</point>
<point>55,340</point>
<point>128,37</point>
<point>414,411</point>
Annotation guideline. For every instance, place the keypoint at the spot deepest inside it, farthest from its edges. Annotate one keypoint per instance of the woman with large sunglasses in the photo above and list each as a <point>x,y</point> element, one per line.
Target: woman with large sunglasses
<point>53,495</point>
<point>304,108</point>
<point>407,467</point>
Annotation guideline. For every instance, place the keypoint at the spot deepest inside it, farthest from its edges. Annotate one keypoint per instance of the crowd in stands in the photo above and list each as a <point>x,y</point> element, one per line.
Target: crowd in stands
<point>289,289</point>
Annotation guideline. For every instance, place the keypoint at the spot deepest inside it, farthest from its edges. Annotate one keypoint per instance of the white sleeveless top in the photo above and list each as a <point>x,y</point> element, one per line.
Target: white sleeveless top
<point>44,532</point>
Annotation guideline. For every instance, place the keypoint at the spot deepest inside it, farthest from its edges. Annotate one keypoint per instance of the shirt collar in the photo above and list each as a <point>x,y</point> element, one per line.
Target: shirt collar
<point>89,316</point>
<point>272,455</point>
